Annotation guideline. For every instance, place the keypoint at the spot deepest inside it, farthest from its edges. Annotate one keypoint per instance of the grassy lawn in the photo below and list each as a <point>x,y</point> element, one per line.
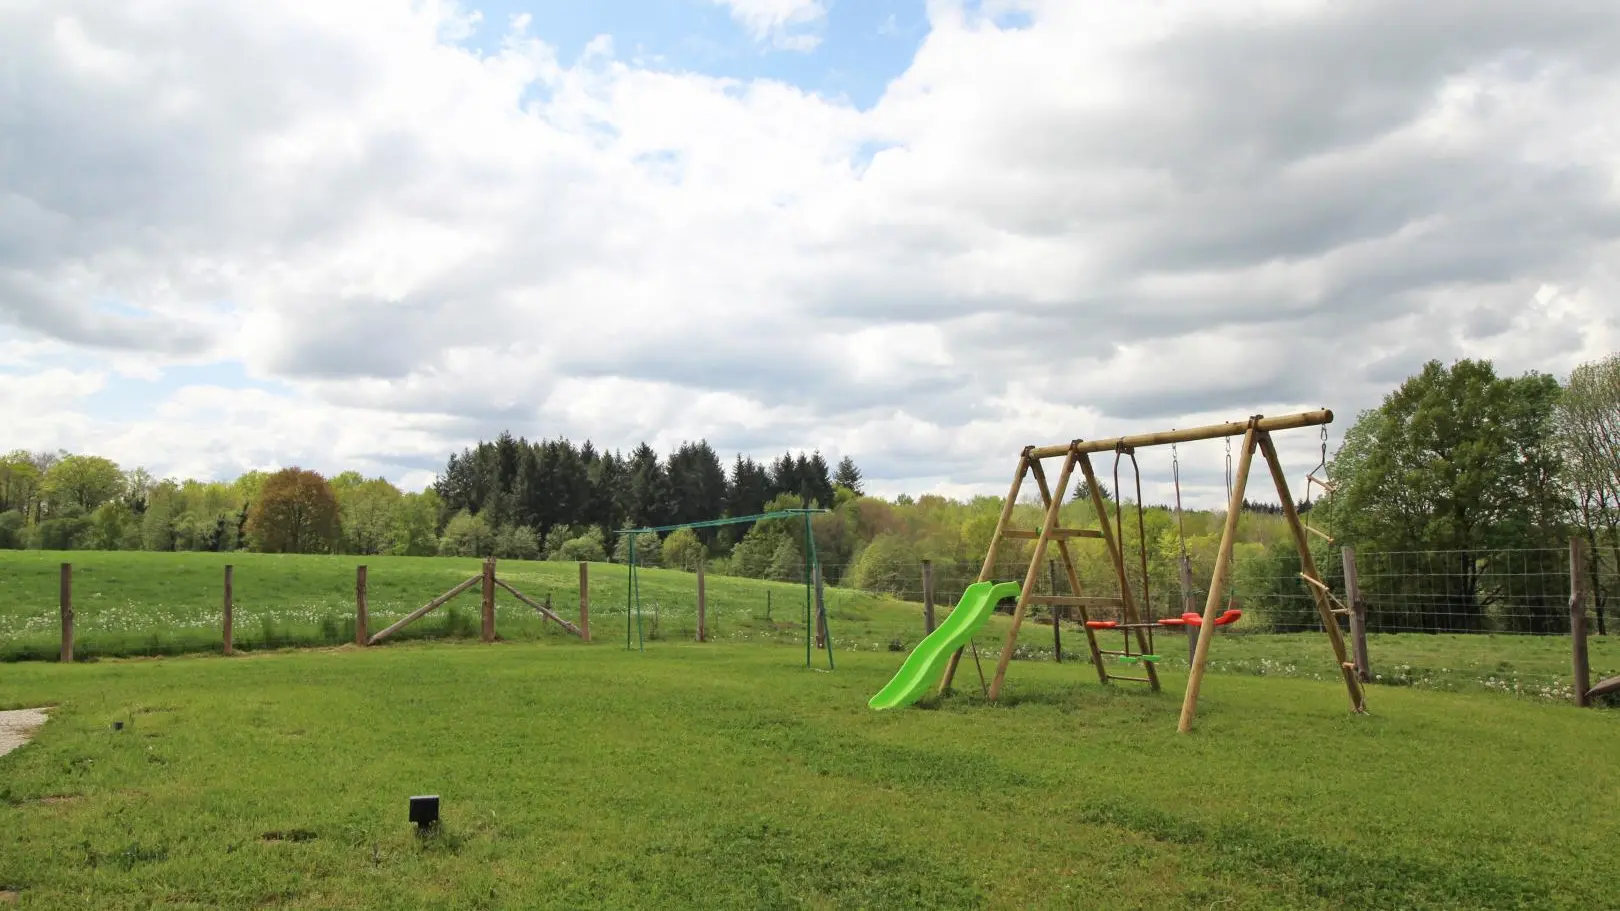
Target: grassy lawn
<point>141,604</point>
<point>728,776</point>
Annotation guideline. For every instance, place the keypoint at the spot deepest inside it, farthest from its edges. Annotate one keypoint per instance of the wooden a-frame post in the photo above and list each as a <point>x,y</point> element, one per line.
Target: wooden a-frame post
<point>1347,668</point>
<point>1074,578</point>
<point>1030,575</point>
<point>1217,585</point>
<point>989,564</point>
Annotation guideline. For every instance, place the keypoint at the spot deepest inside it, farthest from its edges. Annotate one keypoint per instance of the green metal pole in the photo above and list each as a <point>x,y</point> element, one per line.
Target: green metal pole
<point>629,590</point>
<point>815,564</point>
<point>809,594</point>
<point>641,637</point>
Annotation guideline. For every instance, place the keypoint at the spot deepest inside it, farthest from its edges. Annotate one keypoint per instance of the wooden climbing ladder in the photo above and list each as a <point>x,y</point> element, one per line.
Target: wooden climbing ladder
<point>1076,454</point>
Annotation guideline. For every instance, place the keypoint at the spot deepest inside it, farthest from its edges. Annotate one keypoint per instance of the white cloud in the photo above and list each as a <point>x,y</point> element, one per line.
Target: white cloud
<point>786,24</point>
<point>1110,218</point>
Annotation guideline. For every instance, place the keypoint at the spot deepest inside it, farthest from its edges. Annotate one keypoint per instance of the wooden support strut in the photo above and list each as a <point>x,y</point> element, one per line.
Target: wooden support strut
<point>541,608</point>
<point>1030,576</point>
<point>989,564</point>
<point>1127,597</point>
<point>422,611</point>
<point>1347,668</point>
<point>1212,602</point>
<point>1074,578</point>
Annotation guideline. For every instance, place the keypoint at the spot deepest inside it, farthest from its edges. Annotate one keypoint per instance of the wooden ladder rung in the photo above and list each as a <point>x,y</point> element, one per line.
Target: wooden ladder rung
<point>1320,534</point>
<point>1024,534</point>
<point>1132,679</point>
<point>1076,601</point>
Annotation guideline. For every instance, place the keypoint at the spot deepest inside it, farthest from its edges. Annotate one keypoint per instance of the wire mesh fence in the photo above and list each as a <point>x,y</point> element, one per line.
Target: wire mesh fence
<point>1523,591</point>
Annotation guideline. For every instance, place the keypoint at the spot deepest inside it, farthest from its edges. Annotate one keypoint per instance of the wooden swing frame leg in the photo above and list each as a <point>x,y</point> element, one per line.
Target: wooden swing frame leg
<point>1324,609</point>
<point>989,564</point>
<point>1253,439</point>
<point>1030,575</point>
<point>1074,579</point>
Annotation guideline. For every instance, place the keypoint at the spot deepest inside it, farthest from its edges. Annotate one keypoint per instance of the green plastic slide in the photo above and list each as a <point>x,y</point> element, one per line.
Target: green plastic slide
<point>927,661</point>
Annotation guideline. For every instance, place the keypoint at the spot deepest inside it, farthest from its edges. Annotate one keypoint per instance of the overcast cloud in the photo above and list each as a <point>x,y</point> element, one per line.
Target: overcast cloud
<point>1095,218</point>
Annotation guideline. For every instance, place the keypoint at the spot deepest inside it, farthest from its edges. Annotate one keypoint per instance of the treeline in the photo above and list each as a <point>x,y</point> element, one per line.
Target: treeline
<point>506,498</point>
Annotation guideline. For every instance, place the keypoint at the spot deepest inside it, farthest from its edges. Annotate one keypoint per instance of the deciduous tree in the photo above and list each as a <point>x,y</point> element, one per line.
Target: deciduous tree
<point>1457,462</point>
<point>80,483</point>
<point>296,512</point>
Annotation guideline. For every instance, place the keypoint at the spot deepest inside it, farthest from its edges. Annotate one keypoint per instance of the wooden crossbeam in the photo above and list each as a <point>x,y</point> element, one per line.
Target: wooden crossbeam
<point>1209,432</point>
<point>1025,534</point>
<point>1075,601</point>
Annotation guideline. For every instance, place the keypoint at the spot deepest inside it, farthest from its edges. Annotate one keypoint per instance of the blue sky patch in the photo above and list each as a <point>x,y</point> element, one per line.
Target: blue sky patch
<point>862,45</point>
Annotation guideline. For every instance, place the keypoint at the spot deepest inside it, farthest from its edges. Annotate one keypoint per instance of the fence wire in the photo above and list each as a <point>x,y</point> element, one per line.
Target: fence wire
<point>1513,592</point>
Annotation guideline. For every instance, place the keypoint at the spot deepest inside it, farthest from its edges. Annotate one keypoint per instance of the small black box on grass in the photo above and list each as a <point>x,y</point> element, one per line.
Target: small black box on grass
<point>425,810</point>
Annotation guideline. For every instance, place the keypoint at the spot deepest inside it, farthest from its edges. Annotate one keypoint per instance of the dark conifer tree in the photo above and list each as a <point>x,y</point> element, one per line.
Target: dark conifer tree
<point>848,475</point>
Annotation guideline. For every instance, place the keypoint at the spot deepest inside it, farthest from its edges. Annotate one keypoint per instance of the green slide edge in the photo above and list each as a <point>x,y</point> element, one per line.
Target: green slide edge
<point>927,661</point>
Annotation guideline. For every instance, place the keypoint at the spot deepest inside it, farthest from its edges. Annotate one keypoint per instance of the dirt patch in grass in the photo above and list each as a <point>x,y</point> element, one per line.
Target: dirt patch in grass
<point>17,727</point>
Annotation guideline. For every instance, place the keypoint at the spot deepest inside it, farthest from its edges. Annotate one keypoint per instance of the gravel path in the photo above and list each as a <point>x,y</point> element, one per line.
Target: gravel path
<point>18,727</point>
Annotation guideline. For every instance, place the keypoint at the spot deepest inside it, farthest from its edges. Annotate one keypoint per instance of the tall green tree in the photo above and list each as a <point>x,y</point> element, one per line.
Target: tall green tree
<point>19,485</point>
<point>80,483</point>
<point>1588,421</point>
<point>1457,463</point>
<point>369,511</point>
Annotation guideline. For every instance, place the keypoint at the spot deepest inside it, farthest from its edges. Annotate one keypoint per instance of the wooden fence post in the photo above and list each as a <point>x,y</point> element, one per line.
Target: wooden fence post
<point>362,618</point>
<point>489,600</point>
<point>228,611</point>
<point>1057,612</point>
<point>585,601</point>
<point>1358,614</point>
<point>1577,621</point>
<point>67,613</point>
<point>702,620</point>
<point>928,596</point>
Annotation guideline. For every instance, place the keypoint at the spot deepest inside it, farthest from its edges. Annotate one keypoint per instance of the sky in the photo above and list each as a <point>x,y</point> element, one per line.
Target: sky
<point>364,235</point>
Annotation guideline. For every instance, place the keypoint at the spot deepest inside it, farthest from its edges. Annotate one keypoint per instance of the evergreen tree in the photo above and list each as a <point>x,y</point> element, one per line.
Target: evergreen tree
<point>608,491</point>
<point>818,482</point>
<point>698,484</point>
<point>848,475</point>
<point>650,494</point>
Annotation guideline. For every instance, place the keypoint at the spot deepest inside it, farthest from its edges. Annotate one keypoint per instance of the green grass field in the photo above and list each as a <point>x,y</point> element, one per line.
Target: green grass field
<point>143,604</point>
<point>729,776</point>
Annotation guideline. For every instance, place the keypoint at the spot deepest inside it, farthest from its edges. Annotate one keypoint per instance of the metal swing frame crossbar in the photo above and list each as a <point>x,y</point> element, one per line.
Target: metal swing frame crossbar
<point>815,612</point>
<point>1256,433</point>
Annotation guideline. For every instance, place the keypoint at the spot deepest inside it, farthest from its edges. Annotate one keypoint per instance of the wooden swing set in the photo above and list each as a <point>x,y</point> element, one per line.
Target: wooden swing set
<point>1256,433</point>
